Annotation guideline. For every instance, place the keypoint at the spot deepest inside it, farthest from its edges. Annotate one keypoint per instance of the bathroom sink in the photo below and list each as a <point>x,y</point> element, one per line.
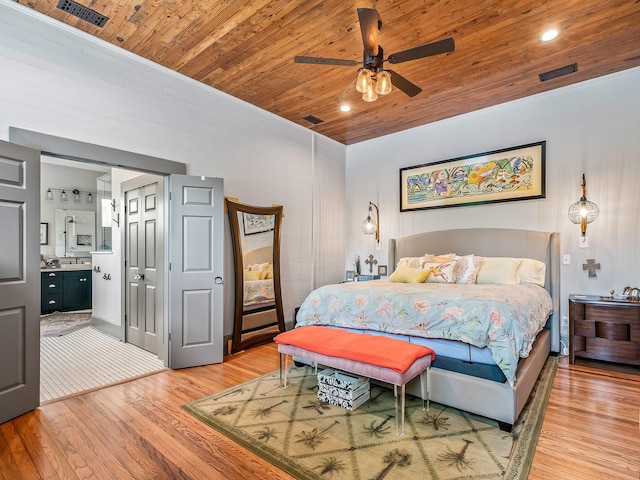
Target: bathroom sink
<point>75,266</point>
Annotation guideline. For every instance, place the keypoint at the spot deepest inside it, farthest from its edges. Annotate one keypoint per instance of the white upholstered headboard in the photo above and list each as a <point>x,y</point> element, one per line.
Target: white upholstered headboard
<point>492,242</point>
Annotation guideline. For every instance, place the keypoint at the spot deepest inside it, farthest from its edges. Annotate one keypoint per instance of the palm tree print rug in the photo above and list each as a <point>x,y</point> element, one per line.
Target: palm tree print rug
<point>310,439</point>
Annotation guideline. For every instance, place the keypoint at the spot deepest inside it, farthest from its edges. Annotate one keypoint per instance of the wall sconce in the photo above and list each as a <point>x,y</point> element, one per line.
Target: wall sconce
<point>63,196</point>
<point>371,225</point>
<point>583,211</point>
<point>76,195</point>
<point>49,195</point>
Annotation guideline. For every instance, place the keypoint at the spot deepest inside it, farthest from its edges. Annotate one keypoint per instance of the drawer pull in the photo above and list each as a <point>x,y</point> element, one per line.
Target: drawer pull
<point>53,285</point>
<point>52,302</point>
<point>52,274</point>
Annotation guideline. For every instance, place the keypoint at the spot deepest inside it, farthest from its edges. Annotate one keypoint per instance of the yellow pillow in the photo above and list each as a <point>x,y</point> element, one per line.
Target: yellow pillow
<point>409,275</point>
<point>252,275</point>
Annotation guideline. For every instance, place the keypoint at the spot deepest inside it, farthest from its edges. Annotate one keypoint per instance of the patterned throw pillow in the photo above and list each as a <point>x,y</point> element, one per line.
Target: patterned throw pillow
<point>468,266</point>
<point>411,262</point>
<point>441,272</point>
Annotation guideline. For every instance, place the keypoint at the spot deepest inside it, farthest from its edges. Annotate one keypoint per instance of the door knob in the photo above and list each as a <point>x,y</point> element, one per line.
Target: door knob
<point>138,276</point>
<point>218,280</point>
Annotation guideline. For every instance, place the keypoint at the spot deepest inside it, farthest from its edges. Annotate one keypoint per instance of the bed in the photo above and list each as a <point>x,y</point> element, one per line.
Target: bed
<point>258,297</point>
<point>475,370</point>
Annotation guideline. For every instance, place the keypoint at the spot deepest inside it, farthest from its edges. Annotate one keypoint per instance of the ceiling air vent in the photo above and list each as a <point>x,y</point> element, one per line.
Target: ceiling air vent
<point>313,119</point>
<point>82,12</point>
<point>558,72</point>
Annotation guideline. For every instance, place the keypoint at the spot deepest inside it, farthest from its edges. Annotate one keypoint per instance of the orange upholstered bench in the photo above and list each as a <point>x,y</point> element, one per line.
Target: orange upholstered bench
<point>373,356</point>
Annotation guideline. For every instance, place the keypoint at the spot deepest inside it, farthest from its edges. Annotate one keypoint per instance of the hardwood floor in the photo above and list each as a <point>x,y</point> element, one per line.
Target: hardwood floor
<point>137,430</point>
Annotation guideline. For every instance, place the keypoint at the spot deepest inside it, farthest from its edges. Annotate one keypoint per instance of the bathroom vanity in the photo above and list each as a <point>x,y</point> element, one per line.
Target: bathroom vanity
<point>65,290</point>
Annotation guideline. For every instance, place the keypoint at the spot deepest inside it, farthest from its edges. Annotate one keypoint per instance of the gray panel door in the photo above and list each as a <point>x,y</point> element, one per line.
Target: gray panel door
<point>143,272</point>
<point>195,271</point>
<point>19,280</point>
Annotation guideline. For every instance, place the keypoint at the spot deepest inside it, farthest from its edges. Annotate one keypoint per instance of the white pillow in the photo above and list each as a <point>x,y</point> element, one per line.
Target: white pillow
<point>499,270</point>
<point>532,271</point>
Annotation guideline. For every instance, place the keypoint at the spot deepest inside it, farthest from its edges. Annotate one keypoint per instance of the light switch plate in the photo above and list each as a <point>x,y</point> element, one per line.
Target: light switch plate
<point>566,259</point>
<point>583,242</point>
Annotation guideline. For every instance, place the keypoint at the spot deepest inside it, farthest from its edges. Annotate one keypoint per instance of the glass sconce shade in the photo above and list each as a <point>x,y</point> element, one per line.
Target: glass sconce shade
<point>63,196</point>
<point>89,198</point>
<point>364,82</point>
<point>383,83</point>
<point>371,224</point>
<point>49,195</point>
<point>76,195</point>
<point>368,226</point>
<point>583,211</point>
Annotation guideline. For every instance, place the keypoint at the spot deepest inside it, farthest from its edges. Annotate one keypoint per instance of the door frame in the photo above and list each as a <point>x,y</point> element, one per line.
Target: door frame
<point>83,152</point>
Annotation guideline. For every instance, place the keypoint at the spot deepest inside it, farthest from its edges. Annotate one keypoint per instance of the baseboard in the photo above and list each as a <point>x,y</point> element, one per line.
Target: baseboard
<point>107,327</point>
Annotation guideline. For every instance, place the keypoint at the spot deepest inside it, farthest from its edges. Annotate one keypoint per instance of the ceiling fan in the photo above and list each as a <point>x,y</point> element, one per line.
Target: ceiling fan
<point>373,79</point>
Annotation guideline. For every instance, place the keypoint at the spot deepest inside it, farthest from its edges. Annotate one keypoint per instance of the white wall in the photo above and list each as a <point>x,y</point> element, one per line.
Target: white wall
<point>59,81</point>
<point>590,128</point>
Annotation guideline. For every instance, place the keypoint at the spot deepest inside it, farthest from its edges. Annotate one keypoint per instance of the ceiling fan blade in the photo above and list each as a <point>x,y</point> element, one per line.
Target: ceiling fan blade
<point>326,61</point>
<point>427,50</point>
<point>368,18</point>
<point>347,91</point>
<point>410,88</point>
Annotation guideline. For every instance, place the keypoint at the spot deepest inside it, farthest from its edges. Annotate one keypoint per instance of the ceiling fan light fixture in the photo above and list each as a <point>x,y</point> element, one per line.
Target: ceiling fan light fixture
<point>383,83</point>
<point>364,82</point>
<point>370,95</point>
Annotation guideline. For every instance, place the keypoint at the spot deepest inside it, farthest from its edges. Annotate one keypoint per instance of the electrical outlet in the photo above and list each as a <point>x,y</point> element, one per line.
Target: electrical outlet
<point>564,328</point>
<point>566,259</point>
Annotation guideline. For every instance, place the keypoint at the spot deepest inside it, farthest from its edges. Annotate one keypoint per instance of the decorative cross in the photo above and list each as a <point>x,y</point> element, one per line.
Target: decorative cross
<point>592,266</point>
<point>371,261</point>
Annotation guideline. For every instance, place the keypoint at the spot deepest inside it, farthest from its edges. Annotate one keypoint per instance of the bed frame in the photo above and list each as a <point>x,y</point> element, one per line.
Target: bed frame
<point>491,399</point>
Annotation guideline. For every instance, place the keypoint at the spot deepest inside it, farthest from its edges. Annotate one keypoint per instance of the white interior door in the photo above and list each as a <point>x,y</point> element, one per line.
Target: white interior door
<point>196,267</point>
<point>19,280</point>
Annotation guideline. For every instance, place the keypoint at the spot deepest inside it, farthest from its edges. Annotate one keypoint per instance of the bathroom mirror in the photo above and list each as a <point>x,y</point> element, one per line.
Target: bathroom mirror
<point>75,232</point>
<point>255,233</point>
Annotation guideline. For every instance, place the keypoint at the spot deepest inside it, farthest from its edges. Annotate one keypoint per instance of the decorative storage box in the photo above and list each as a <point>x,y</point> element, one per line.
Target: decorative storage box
<point>341,389</point>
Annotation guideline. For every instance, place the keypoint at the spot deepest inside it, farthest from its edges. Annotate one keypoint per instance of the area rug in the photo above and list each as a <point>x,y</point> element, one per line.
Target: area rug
<point>88,359</point>
<point>310,439</point>
<point>61,323</point>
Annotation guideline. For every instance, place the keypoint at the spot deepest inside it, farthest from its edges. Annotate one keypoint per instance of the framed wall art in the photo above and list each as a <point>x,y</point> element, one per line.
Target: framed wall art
<point>515,173</point>
<point>254,223</point>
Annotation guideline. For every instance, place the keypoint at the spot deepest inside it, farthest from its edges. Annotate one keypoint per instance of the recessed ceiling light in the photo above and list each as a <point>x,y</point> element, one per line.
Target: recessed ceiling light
<point>549,35</point>
<point>345,108</point>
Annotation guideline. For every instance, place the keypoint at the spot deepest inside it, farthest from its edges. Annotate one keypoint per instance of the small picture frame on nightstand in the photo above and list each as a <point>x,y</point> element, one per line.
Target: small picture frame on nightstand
<point>350,275</point>
<point>634,293</point>
<point>382,270</point>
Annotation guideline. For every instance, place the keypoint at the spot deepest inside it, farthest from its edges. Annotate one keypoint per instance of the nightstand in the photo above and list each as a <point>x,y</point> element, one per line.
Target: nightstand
<point>602,328</point>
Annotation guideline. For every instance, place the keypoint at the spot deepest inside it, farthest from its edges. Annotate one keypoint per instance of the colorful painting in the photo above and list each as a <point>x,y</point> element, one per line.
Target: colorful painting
<point>515,173</point>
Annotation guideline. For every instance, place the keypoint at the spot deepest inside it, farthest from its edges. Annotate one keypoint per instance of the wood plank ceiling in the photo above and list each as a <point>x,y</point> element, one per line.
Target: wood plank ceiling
<point>246,49</point>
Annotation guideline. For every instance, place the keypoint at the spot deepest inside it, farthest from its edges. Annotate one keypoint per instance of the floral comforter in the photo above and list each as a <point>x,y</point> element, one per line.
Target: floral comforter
<point>503,318</point>
<point>258,291</point>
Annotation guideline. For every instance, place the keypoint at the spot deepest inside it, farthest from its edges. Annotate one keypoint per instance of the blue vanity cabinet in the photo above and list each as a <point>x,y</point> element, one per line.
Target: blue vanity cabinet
<point>76,290</point>
<point>51,292</point>
<point>64,291</point>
